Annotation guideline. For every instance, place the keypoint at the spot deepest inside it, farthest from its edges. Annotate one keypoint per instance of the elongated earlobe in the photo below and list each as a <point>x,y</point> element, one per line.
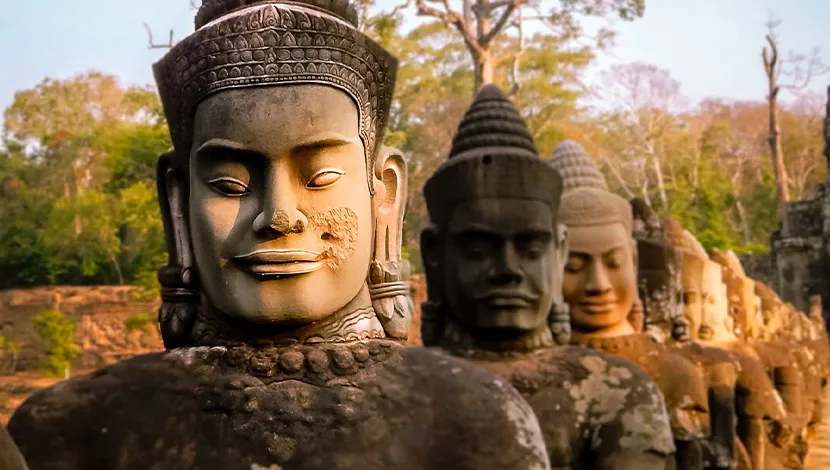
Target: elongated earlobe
<point>389,274</point>
<point>179,284</point>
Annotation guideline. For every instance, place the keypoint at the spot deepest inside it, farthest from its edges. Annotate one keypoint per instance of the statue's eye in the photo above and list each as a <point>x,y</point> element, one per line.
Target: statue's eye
<point>574,265</point>
<point>229,186</point>
<point>324,179</point>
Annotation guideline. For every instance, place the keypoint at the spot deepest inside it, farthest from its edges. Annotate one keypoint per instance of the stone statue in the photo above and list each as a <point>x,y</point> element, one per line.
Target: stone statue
<point>658,268</point>
<point>761,415</point>
<point>277,202</point>
<point>600,287</point>
<point>10,458</point>
<point>660,252</point>
<point>494,256</point>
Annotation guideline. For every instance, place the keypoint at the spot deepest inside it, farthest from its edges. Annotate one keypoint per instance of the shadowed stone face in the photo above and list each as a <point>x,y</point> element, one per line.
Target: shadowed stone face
<point>500,263</point>
<point>279,204</point>
<point>600,282</point>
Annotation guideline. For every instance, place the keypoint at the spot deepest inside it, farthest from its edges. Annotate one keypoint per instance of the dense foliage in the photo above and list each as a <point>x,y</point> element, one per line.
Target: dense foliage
<point>77,156</point>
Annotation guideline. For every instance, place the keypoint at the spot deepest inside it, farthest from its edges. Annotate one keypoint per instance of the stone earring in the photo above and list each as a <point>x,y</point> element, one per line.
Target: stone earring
<point>560,323</point>
<point>179,304</point>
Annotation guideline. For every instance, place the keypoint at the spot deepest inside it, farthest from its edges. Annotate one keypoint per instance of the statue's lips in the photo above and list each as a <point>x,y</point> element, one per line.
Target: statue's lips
<point>597,307</point>
<point>507,299</point>
<point>281,262</point>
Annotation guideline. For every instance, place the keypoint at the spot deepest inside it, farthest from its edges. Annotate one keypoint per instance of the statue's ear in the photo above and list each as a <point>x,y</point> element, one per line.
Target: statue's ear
<point>559,320</point>
<point>431,248</point>
<point>635,255</point>
<point>391,174</point>
<point>179,285</point>
<point>388,273</point>
<point>562,249</point>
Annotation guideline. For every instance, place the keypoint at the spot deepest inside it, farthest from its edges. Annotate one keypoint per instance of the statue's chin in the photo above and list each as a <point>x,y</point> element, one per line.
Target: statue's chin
<point>506,321</point>
<point>289,301</point>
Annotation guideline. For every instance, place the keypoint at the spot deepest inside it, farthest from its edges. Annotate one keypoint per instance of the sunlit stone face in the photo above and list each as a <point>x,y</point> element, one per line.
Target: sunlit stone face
<point>280,210</point>
<point>716,319</point>
<point>692,297</point>
<point>600,282</point>
<point>500,264</point>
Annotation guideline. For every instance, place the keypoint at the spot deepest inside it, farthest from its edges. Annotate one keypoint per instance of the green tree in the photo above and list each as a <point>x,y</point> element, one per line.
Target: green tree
<point>58,335</point>
<point>78,178</point>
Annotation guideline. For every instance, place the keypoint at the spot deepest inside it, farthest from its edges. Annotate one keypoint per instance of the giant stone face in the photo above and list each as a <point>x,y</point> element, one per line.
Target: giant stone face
<point>280,211</point>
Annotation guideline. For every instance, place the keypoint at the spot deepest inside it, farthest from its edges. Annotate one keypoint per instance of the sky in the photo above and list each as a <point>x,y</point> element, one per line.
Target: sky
<point>711,46</point>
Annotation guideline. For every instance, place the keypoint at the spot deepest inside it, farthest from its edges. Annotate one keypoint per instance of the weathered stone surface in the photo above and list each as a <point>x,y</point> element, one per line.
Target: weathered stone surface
<point>10,458</point>
<point>236,408</point>
<point>595,410</point>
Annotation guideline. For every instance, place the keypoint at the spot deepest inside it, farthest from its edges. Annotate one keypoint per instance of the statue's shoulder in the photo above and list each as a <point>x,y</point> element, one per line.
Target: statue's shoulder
<point>10,458</point>
<point>618,397</point>
<point>70,411</point>
<point>486,418</point>
<point>606,376</point>
<point>443,372</point>
<point>704,355</point>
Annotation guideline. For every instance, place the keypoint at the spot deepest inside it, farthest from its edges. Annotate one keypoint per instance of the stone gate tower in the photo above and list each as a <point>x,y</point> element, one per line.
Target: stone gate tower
<point>799,260</point>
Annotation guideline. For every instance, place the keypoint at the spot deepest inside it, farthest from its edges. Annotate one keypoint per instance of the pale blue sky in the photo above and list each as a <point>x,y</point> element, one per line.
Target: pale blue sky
<point>711,46</point>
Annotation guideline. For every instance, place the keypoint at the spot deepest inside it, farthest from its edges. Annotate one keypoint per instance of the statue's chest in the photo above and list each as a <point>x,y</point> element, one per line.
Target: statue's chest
<point>266,412</point>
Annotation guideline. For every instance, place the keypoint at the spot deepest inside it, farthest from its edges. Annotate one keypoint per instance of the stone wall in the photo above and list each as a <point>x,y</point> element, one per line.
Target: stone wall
<point>758,266</point>
<point>100,314</point>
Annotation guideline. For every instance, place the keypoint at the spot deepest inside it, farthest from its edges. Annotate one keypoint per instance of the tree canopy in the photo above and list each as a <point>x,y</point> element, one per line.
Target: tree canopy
<point>77,157</point>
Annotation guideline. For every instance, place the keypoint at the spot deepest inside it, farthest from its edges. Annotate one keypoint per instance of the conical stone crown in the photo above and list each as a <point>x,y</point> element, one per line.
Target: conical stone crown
<point>492,122</point>
<point>492,157</point>
<point>577,168</point>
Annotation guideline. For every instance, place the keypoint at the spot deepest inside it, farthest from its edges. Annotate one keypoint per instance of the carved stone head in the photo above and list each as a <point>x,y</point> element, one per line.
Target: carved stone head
<point>718,325</point>
<point>600,282</point>
<point>494,252</point>
<point>281,208</point>
<point>658,274</point>
<point>693,260</point>
<point>771,311</point>
<point>741,294</point>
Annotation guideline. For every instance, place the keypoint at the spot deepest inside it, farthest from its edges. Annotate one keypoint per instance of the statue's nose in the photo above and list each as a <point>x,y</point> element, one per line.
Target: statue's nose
<point>280,214</point>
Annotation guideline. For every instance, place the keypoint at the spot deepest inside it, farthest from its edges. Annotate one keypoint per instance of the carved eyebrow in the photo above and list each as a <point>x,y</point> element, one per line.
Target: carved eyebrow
<point>324,141</point>
<point>220,145</point>
<point>586,254</point>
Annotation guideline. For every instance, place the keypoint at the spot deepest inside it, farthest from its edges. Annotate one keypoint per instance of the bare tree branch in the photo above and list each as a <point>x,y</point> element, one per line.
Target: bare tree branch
<point>501,22</point>
<point>515,69</point>
<point>153,45</point>
<point>450,17</point>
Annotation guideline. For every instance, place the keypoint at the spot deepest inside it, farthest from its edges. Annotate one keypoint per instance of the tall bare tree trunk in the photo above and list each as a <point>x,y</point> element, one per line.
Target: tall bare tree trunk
<point>770,57</point>
<point>484,69</point>
<point>661,184</point>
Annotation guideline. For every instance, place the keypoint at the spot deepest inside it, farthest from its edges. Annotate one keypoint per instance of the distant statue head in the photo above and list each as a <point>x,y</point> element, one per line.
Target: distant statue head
<point>281,207</point>
<point>693,260</point>
<point>772,311</point>
<point>494,252</point>
<point>740,292</point>
<point>600,282</point>
<point>718,325</point>
<point>658,272</point>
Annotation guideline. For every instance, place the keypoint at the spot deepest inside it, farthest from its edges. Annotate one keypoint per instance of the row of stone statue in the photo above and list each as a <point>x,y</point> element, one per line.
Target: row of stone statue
<point>286,306</point>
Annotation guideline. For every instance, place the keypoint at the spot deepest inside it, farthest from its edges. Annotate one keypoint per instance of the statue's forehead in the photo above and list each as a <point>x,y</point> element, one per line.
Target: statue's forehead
<point>599,239</point>
<point>286,112</point>
<point>503,215</point>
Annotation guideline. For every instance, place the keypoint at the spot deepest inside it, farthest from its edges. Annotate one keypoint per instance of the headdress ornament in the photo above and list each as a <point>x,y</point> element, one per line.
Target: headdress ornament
<point>246,43</point>
<point>587,200</point>
<point>492,156</point>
